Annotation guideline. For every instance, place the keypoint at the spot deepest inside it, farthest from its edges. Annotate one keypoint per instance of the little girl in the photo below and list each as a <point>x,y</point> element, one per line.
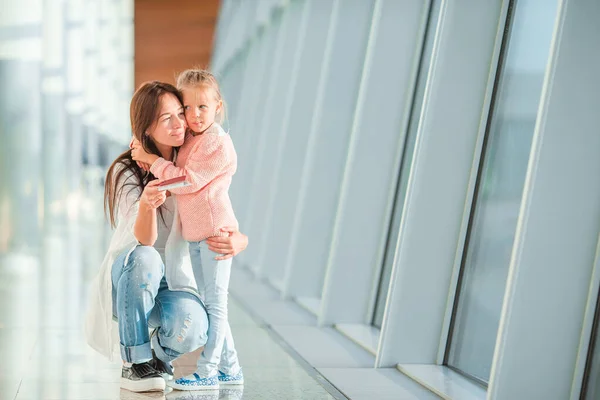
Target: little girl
<point>208,160</point>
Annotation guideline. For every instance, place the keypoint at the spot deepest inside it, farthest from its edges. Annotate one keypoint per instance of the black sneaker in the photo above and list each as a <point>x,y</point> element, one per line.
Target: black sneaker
<point>142,378</point>
<point>163,368</point>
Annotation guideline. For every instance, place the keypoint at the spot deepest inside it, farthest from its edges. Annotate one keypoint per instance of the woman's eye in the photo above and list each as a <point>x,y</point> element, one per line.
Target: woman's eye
<point>186,108</point>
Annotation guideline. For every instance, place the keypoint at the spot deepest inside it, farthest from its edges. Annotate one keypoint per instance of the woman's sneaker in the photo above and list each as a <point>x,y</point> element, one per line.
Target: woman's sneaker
<point>164,369</point>
<point>194,382</point>
<point>237,379</point>
<point>141,378</point>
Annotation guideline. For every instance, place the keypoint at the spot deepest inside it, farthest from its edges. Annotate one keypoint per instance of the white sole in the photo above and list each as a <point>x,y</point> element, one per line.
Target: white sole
<point>231,383</point>
<point>146,385</point>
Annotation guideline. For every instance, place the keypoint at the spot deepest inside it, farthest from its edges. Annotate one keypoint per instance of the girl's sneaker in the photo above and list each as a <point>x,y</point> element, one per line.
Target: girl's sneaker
<point>194,382</point>
<point>237,379</point>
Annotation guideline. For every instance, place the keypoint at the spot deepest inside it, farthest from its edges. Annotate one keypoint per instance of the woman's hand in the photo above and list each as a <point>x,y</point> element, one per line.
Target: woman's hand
<point>140,155</point>
<point>228,246</point>
<point>151,197</point>
<point>136,143</point>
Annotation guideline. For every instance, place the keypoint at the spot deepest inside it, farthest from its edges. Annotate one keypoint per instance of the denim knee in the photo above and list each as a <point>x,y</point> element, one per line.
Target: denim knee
<point>188,332</point>
<point>147,261</point>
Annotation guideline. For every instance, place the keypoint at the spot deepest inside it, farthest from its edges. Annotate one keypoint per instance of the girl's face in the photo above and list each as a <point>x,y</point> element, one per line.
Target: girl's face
<point>201,107</point>
<point>169,129</point>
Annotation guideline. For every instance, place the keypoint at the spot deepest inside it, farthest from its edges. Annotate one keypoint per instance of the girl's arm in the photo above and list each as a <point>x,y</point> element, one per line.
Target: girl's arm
<point>211,157</point>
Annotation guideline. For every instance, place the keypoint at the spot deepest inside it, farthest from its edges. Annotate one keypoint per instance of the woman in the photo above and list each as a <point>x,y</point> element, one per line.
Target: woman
<point>146,280</point>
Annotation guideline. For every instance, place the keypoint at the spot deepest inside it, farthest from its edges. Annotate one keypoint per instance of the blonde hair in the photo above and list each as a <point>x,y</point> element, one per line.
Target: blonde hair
<point>197,77</point>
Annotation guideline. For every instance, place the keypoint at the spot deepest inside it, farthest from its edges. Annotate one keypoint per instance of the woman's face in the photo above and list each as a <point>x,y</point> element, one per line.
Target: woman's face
<point>169,129</point>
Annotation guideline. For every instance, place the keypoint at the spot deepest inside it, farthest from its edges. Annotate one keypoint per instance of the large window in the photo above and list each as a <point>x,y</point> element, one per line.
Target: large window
<point>500,186</point>
<point>432,22</point>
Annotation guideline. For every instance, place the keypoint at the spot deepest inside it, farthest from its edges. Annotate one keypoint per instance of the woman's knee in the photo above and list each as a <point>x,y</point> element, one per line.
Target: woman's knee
<point>188,330</point>
<point>148,260</point>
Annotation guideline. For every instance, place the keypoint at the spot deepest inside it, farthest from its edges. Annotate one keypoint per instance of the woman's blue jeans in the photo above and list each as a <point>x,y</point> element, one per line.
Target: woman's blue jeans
<point>143,301</point>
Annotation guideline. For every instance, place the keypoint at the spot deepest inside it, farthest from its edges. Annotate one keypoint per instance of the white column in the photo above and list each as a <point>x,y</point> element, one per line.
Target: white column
<point>125,75</point>
<point>556,246</point>
<point>74,102</point>
<point>20,129</point>
<point>296,125</point>
<point>93,85</point>
<point>327,147</point>
<point>264,115</point>
<point>275,134</point>
<point>53,113</point>
<point>432,217</point>
<point>371,173</point>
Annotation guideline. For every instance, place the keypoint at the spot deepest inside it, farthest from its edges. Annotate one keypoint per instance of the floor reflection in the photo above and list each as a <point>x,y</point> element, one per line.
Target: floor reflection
<point>43,299</point>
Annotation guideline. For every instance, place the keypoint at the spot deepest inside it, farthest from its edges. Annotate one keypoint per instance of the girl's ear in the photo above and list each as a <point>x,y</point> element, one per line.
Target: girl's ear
<point>220,107</point>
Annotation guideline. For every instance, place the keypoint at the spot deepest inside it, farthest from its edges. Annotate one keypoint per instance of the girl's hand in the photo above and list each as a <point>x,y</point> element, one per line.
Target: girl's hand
<point>136,143</point>
<point>139,154</point>
<point>151,197</point>
<point>228,246</point>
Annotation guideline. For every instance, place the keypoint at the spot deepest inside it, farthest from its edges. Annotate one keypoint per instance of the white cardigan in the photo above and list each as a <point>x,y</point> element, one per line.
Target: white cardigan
<point>101,330</point>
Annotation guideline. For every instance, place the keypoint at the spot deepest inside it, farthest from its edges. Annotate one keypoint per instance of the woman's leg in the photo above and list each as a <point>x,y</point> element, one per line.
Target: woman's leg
<point>212,278</point>
<point>182,323</point>
<point>136,280</point>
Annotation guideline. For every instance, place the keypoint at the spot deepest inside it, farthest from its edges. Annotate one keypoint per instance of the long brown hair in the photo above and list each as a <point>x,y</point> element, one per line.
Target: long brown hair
<point>144,109</point>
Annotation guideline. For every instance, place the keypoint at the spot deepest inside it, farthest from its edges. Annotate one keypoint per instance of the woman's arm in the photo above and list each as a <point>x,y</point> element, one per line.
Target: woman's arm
<point>228,246</point>
<point>145,228</point>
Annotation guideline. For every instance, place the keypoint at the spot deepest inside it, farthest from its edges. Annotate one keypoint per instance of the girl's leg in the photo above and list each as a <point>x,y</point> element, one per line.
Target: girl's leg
<point>136,279</point>
<point>230,363</point>
<point>212,278</point>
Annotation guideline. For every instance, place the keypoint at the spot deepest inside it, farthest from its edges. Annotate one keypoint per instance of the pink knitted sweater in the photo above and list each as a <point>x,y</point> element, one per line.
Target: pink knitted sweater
<point>209,162</point>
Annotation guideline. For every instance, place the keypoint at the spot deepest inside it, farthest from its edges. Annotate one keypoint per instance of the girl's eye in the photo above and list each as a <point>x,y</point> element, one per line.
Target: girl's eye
<point>186,108</point>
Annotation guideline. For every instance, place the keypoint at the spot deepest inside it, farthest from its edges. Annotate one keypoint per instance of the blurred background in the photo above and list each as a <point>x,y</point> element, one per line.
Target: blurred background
<point>69,71</point>
<point>389,160</point>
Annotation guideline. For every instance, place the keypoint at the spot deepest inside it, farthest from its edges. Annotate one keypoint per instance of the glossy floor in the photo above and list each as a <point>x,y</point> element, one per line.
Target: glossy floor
<point>44,355</point>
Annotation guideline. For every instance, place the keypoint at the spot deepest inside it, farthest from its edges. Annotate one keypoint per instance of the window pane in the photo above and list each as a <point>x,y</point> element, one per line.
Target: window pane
<point>406,162</point>
<point>591,385</point>
<point>500,188</point>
